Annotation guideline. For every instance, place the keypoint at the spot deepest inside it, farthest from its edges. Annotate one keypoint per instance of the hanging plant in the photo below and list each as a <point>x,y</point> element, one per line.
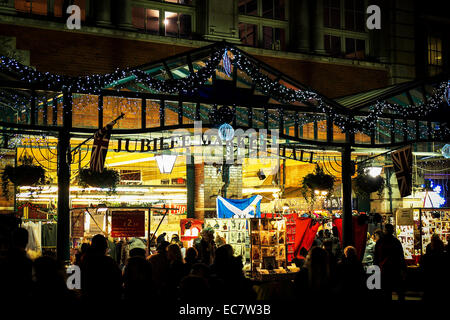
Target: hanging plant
<point>25,174</point>
<point>318,180</point>
<point>364,185</point>
<point>108,179</point>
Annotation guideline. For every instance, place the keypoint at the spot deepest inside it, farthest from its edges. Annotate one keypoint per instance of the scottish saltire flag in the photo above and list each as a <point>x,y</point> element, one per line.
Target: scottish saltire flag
<point>226,63</point>
<point>239,208</point>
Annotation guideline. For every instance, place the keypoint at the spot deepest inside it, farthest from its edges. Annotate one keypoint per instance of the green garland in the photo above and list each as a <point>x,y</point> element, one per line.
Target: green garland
<point>23,175</point>
<point>318,180</point>
<point>364,185</point>
<point>108,179</point>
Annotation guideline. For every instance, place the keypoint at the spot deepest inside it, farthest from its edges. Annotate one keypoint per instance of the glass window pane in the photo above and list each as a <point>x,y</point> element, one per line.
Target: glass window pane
<point>185,25</point>
<point>267,9</point>
<point>171,113</point>
<point>268,38</point>
<point>171,24</point>
<point>152,113</point>
<point>248,34</point>
<point>188,112</point>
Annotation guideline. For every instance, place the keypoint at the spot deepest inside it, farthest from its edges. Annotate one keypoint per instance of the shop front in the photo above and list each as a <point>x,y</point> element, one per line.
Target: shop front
<point>154,149</point>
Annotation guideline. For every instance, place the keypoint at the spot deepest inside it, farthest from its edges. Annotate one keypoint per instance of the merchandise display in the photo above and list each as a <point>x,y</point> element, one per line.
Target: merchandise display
<point>268,240</point>
<point>234,232</point>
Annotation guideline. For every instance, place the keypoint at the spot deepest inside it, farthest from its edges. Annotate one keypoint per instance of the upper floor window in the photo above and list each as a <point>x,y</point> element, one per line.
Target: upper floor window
<point>189,2</point>
<point>273,38</point>
<point>435,63</point>
<point>354,15</point>
<point>332,13</point>
<point>355,48</point>
<point>332,44</point>
<point>161,22</point>
<point>248,7</point>
<point>273,9</point>
<point>270,9</point>
<point>40,7</point>
<point>248,33</point>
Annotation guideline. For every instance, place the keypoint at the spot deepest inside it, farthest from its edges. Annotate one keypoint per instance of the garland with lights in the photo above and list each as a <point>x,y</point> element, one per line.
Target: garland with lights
<point>189,85</point>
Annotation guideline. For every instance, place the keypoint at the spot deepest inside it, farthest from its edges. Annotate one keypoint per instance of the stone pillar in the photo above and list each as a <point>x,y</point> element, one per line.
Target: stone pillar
<point>317,24</point>
<point>209,184</point>
<point>124,14</point>
<point>347,172</point>
<point>221,21</point>
<point>7,6</point>
<point>301,24</point>
<point>102,9</point>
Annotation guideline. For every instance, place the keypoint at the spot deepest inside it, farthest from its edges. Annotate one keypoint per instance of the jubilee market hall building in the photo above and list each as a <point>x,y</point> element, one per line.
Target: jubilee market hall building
<point>47,118</point>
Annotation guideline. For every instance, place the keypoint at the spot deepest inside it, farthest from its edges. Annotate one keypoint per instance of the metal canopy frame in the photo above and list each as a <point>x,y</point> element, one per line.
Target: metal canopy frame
<point>252,108</point>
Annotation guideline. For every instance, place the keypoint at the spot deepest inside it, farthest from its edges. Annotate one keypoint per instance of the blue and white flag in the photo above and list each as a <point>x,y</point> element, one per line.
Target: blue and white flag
<point>239,208</point>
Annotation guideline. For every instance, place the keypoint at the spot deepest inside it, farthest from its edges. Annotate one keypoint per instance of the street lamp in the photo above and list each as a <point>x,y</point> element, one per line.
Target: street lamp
<point>373,171</point>
<point>165,162</point>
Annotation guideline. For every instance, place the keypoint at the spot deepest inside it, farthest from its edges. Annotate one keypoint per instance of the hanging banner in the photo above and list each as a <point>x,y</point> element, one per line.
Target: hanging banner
<point>402,160</point>
<point>239,208</point>
<point>404,217</point>
<point>77,223</point>
<point>127,224</point>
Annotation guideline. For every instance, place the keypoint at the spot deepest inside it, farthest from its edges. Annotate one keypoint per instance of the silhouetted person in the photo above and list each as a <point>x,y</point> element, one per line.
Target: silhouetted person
<point>435,267</point>
<point>206,247</point>
<point>100,275</point>
<point>337,249</point>
<point>137,280</point>
<point>16,270</point>
<point>318,239</point>
<point>177,269</point>
<point>50,283</point>
<point>333,261</point>
<point>194,289</point>
<point>228,280</point>
<point>351,277</point>
<point>81,253</point>
<point>313,281</point>
<point>369,252</point>
<point>389,257</point>
<point>191,258</point>
<point>160,268</point>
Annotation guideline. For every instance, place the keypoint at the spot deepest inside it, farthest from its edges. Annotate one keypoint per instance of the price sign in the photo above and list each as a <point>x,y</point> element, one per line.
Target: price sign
<point>77,223</point>
<point>128,224</point>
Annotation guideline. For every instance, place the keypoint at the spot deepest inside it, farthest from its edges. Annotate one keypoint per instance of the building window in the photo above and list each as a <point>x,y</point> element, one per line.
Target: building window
<point>188,2</point>
<point>435,62</point>
<point>248,7</point>
<point>177,24</point>
<point>174,24</point>
<point>273,38</point>
<point>273,9</point>
<point>146,20</point>
<point>332,13</point>
<point>332,45</point>
<point>38,7</point>
<point>354,15</point>
<point>355,48</point>
<point>248,34</point>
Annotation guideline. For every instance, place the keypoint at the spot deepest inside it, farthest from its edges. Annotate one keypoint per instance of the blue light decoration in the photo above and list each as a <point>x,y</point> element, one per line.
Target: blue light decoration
<point>446,151</point>
<point>226,63</point>
<point>434,199</point>
<point>226,132</point>
<point>447,93</point>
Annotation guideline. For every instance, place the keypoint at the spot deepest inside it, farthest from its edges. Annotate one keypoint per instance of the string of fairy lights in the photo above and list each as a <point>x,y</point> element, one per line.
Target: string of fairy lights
<point>93,84</point>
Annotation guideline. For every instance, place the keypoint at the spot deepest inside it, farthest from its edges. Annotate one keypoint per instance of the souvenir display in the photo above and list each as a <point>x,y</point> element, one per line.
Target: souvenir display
<point>233,232</point>
<point>268,242</point>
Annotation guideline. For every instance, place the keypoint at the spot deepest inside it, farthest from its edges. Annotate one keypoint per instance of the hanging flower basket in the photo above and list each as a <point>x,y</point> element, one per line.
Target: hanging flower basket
<point>318,180</point>
<point>364,185</point>
<point>108,179</point>
<point>23,175</point>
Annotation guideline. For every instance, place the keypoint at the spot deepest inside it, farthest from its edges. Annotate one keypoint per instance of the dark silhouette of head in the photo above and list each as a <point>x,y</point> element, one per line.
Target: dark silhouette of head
<point>350,253</point>
<point>191,255</point>
<point>162,247</point>
<point>50,276</point>
<point>335,231</point>
<point>378,234</point>
<point>328,245</point>
<point>201,270</point>
<point>389,229</point>
<point>320,234</point>
<point>174,253</point>
<point>327,233</point>
<point>20,238</point>
<point>99,244</point>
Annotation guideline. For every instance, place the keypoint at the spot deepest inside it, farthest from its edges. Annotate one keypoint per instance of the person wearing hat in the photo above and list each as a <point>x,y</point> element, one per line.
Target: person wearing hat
<point>137,276</point>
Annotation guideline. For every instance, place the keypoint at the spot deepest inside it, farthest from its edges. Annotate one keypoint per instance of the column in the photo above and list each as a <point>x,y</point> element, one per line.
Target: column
<point>301,24</point>
<point>7,6</point>
<point>190,185</point>
<point>124,14</point>
<point>347,172</point>
<point>63,239</point>
<point>102,9</point>
<point>317,25</point>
